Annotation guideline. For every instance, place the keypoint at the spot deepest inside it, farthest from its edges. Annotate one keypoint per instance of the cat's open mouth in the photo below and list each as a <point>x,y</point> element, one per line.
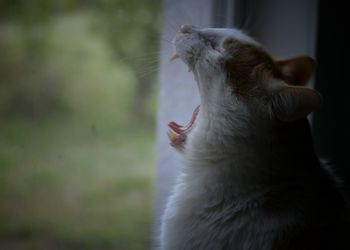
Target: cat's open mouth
<point>177,133</point>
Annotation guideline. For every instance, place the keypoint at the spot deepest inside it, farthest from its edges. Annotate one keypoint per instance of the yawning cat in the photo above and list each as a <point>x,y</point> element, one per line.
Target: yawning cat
<point>251,179</point>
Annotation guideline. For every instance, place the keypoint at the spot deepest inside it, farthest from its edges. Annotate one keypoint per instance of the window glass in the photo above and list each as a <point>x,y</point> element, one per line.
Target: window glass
<point>77,116</point>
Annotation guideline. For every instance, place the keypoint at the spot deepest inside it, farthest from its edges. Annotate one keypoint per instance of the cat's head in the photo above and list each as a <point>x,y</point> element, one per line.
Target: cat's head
<point>237,74</point>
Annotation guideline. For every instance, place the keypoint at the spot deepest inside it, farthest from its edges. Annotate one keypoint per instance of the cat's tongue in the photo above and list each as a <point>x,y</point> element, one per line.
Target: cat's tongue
<point>177,133</point>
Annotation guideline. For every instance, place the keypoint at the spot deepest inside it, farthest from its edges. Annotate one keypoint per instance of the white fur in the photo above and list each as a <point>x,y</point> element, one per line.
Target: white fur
<point>216,203</point>
<point>219,172</point>
<point>214,170</point>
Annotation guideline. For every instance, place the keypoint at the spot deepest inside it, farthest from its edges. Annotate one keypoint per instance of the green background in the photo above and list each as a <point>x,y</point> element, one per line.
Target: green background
<point>77,111</point>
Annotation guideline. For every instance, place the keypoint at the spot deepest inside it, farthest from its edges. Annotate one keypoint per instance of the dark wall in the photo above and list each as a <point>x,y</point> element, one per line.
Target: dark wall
<point>331,123</point>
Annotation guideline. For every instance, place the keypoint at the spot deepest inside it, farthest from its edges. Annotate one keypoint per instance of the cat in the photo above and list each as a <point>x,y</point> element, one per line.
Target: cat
<point>251,179</point>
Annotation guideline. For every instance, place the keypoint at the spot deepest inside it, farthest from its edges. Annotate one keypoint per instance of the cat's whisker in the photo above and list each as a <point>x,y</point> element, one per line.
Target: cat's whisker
<point>147,57</point>
<point>148,72</point>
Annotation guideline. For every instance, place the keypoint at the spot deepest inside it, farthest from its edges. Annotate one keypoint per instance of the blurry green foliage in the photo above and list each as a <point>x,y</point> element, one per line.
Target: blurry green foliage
<point>76,167</point>
<point>128,29</point>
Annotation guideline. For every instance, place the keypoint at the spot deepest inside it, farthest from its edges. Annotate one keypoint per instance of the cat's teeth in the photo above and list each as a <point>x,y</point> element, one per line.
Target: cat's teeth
<point>174,56</point>
<point>172,135</point>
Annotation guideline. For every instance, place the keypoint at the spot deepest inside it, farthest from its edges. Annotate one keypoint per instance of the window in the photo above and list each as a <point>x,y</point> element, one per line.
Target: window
<point>77,111</point>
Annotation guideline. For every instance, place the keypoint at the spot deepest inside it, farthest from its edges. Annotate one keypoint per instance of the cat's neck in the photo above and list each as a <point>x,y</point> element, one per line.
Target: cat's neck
<point>265,156</point>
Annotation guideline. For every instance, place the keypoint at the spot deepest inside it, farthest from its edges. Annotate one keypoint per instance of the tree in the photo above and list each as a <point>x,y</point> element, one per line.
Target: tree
<point>141,21</point>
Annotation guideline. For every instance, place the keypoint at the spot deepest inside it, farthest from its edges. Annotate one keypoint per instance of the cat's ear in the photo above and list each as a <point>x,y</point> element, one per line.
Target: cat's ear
<point>291,103</point>
<point>296,71</point>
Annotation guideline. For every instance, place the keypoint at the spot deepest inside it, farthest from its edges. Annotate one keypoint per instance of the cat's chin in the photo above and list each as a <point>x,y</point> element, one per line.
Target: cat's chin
<point>178,134</point>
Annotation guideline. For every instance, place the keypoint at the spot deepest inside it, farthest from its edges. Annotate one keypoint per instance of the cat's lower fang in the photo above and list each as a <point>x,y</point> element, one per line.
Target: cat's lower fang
<point>176,140</point>
<point>174,56</point>
<point>177,133</point>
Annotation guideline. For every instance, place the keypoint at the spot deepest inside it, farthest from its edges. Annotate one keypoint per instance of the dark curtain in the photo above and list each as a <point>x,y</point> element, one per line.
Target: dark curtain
<point>331,124</point>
